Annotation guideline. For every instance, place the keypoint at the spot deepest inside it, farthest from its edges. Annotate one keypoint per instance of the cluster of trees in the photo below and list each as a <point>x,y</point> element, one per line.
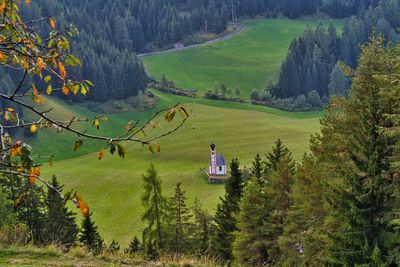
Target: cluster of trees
<point>31,215</point>
<point>294,9</point>
<point>300,103</point>
<point>222,92</point>
<point>338,207</point>
<point>314,59</point>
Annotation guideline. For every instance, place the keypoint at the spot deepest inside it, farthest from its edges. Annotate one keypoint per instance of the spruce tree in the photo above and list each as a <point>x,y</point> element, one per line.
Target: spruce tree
<point>178,222</point>
<point>202,230</point>
<point>134,246</point>
<point>363,205</point>
<point>302,242</point>
<point>154,214</point>
<point>225,217</point>
<point>279,190</point>
<point>89,235</point>
<point>251,243</point>
<point>257,168</point>
<point>59,222</point>
<point>273,158</point>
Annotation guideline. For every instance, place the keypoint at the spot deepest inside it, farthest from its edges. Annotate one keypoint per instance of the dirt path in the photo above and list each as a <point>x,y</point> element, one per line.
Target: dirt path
<point>241,29</point>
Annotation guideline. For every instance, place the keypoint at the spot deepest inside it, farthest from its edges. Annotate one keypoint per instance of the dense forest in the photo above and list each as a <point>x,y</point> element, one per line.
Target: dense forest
<point>314,59</point>
<point>116,30</point>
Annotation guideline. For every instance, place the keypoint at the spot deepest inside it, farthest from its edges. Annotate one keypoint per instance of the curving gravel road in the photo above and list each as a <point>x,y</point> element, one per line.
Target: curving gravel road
<point>241,29</point>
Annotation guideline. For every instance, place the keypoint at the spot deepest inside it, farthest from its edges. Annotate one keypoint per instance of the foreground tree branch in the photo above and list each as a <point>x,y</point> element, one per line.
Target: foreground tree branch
<point>44,63</point>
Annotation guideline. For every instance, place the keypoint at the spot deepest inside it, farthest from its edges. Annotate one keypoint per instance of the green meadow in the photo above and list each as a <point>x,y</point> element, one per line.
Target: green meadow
<point>246,61</point>
<point>112,187</point>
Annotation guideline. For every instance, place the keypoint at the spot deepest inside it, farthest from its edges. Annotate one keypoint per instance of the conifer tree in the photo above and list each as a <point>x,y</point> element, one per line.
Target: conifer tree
<point>202,229</point>
<point>257,168</point>
<point>59,222</point>
<point>225,217</point>
<point>178,222</point>
<point>279,190</point>
<point>278,152</point>
<point>89,235</point>
<point>154,214</point>
<point>134,246</point>
<point>364,203</point>
<point>251,243</point>
<point>302,242</point>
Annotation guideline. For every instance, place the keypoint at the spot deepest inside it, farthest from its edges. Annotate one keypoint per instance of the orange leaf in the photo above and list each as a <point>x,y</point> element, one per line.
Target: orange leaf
<point>11,110</point>
<point>40,63</point>
<point>52,23</point>
<point>65,90</point>
<point>82,205</point>
<point>101,154</point>
<point>1,56</point>
<point>63,72</point>
<point>35,91</point>
<point>35,171</point>
<point>2,6</point>
<point>28,2</point>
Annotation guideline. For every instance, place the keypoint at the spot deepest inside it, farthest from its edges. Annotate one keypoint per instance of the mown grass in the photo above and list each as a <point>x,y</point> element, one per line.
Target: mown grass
<point>112,186</point>
<point>246,61</point>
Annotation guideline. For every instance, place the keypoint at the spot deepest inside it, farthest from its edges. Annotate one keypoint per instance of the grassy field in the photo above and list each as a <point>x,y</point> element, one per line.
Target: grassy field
<point>112,187</point>
<point>246,61</point>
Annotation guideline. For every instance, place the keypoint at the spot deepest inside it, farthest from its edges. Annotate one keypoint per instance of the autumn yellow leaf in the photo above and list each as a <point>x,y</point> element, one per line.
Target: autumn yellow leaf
<point>11,110</point>
<point>101,154</point>
<point>52,23</point>
<point>33,128</point>
<point>80,204</point>
<point>49,89</point>
<point>65,90</point>
<point>63,72</point>
<point>170,115</point>
<point>96,123</point>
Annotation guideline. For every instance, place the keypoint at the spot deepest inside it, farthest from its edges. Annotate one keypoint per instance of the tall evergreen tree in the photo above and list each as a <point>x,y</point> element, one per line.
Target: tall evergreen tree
<point>364,203</point>
<point>179,222</point>
<point>225,217</point>
<point>339,83</point>
<point>154,214</point>
<point>59,222</point>
<point>202,229</point>
<point>251,243</point>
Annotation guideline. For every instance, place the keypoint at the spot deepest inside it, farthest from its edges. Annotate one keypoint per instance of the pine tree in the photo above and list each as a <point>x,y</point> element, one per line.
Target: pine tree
<point>154,204</point>
<point>339,83</point>
<point>364,201</point>
<point>251,243</point>
<point>302,242</point>
<point>178,222</point>
<point>257,168</point>
<point>89,235</point>
<point>225,217</point>
<point>278,152</point>
<point>279,191</point>
<point>202,229</point>
<point>134,246</point>
<point>59,222</point>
